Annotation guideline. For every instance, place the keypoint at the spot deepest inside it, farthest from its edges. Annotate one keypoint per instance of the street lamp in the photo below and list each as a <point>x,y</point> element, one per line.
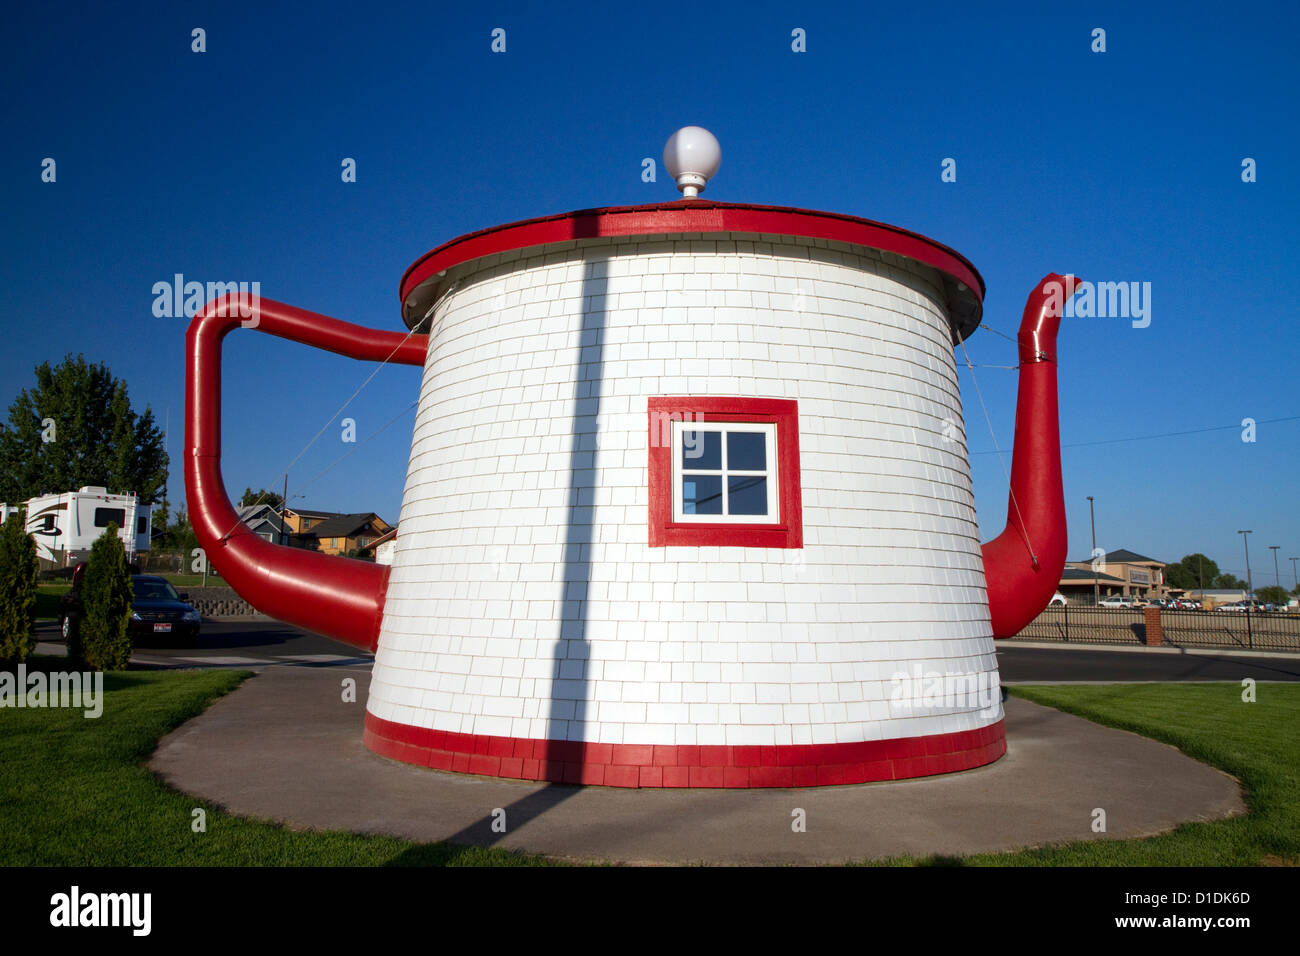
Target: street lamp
<point>1250,587</point>
<point>1294,580</point>
<point>1277,576</point>
<point>1096,585</point>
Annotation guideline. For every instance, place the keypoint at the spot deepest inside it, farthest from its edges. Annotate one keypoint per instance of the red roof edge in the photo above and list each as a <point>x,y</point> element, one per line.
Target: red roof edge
<point>963,284</point>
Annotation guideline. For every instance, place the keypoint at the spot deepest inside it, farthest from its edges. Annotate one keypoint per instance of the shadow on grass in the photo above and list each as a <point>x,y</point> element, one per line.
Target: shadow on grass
<point>45,664</point>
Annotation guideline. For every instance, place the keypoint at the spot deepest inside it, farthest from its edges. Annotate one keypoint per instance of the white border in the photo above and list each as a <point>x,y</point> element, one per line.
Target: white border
<point>768,429</point>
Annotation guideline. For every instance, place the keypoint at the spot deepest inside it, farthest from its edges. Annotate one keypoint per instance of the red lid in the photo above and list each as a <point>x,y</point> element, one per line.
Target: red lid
<point>963,286</point>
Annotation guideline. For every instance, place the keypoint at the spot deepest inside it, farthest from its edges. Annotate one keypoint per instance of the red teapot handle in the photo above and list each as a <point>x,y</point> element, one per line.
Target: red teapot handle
<point>339,597</point>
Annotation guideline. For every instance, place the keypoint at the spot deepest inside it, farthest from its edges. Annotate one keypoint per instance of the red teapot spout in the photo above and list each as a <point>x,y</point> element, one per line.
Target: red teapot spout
<point>1022,565</point>
<point>338,597</point>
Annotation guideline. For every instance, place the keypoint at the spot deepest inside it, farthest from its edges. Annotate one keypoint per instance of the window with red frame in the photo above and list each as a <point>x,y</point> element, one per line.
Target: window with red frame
<point>725,472</point>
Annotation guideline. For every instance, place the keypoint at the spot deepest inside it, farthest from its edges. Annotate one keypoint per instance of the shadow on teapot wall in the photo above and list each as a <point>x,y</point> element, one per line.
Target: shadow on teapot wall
<point>566,665</point>
<point>571,654</point>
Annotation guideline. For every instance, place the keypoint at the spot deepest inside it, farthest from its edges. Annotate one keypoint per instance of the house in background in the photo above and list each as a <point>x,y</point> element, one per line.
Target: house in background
<point>266,523</point>
<point>383,547</point>
<point>332,533</point>
<point>300,521</point>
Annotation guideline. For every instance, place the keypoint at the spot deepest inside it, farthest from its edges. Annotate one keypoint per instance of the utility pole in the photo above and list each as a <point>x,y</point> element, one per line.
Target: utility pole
<point>1277,576</point>
<point>1250,587</point>
<point>1096,585</point>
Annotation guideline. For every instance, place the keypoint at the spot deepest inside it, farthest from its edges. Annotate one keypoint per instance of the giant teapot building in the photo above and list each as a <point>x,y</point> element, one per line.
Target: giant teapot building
<point>688,492</point>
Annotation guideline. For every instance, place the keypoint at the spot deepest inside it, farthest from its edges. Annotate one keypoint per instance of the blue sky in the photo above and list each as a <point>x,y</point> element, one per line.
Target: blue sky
<point>1123,165</point>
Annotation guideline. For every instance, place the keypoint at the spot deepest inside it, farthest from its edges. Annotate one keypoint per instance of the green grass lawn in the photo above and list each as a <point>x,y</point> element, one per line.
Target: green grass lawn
<point>83,796</point>
<point>1256,743</point>
<point>179,581</point>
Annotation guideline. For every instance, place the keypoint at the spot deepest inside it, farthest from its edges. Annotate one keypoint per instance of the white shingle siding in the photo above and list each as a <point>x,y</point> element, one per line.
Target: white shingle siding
<point>524,600</point>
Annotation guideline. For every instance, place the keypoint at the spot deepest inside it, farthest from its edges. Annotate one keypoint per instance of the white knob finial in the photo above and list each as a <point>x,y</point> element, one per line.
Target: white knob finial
<point>692,157</point>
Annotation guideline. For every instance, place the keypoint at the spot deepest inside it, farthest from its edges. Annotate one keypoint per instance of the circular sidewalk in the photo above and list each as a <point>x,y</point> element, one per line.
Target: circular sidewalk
<point>284,747</point>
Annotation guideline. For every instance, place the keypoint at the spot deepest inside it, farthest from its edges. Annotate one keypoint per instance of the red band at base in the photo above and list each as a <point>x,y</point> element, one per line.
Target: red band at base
<point>636,765</point>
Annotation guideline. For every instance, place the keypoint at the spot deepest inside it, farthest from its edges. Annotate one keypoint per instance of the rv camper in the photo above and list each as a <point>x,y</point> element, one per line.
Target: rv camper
<point>65,526</point>
<point>6,510</point>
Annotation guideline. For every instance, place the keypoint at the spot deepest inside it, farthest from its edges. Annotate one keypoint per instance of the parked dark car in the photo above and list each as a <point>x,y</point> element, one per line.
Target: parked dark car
<point>157,611</point>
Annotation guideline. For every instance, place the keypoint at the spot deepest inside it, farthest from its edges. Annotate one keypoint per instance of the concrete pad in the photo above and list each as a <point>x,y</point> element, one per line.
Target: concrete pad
<point>284,747</point>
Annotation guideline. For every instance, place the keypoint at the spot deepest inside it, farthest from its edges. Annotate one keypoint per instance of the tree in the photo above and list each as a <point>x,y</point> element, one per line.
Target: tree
<point>180,535</point>
<point>1191,571</point>
<point>76,427</point>
<point>102,638</point>
<point>262,497</point>
<point>1228,582</point>
<point>18,569</point>
<point>1273,594</point>
<point>162,516</point>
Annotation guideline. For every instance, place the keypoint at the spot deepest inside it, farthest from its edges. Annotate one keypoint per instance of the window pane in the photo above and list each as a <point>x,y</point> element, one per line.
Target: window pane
<point>746,451</point>
<point>702,494</point>
<point>701,450</point>
<point>103,516</point>
<point>747,495</point>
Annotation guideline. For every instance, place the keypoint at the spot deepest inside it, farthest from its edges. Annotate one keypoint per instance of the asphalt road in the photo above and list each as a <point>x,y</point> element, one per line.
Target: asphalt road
<point>262,642</point>
<point>254,643</point>
<point>1025,665</point>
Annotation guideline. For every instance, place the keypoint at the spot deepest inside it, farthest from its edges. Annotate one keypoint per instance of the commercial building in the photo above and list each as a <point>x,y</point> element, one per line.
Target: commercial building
<point>1121,572</point>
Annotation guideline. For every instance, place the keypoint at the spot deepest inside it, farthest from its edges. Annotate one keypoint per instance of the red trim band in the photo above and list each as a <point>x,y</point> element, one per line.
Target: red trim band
<point>784,414</point>
<point>634,765</point>
<point>766,223</point>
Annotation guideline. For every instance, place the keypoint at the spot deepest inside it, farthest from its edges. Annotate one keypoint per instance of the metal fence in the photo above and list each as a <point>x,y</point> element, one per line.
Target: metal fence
<point>1254,630</point>
<point>149,562</point>
<point>168,562</point>
<point>1086,625</point>
<point>162,562</point>
<point>1250,630</point>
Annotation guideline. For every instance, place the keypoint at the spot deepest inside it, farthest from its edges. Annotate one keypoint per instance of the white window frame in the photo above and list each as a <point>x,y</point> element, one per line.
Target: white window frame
<point>680,469</point>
